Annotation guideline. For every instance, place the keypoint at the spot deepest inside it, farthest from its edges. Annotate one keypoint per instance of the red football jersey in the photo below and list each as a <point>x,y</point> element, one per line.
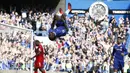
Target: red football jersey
<point>40,57</point>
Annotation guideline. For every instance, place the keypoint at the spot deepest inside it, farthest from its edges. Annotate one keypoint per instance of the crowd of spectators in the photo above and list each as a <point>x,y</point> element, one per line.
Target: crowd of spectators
<point>14,48</point>
<point>15,43</point>
<point>86,48</point>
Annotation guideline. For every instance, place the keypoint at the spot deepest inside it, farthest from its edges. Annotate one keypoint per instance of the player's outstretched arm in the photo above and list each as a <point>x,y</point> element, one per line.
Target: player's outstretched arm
<point>33,57</point>
<point>65,24</point>
<point>65,14</point>
<point>39,52</point>
<point>63,18</point>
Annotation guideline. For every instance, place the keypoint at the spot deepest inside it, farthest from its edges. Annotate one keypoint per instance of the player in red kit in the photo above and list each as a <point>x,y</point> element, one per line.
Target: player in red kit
<point>39,51</point>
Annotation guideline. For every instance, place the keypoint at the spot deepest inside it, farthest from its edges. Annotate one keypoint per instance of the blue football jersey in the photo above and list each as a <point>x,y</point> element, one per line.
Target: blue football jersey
<point>59,31</point>
<point>117,50</point>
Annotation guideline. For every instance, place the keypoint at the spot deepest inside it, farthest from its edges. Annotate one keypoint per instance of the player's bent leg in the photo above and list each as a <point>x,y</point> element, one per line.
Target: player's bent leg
<point>115,70</point>
<point>42,70</point>
<point>122,70</point>
<point>122,66</point>
<point>35,70</point>
<point>69,9</point>
<point>116,65</point>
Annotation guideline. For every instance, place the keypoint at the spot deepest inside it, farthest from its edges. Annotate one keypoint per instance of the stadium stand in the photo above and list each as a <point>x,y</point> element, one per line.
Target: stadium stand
<point>86,48</point>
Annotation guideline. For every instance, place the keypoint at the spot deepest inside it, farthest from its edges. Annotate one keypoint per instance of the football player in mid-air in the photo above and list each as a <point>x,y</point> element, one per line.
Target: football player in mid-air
<point>59,21</point>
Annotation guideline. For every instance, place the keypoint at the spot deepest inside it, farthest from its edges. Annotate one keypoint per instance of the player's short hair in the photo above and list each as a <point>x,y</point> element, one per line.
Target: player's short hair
<point>119,40</point>
<point>36,42</point>
<point>52,36</point>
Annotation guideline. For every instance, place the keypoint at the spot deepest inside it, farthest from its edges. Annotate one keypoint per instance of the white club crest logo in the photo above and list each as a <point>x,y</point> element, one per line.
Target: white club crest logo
<point>98,10</point>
